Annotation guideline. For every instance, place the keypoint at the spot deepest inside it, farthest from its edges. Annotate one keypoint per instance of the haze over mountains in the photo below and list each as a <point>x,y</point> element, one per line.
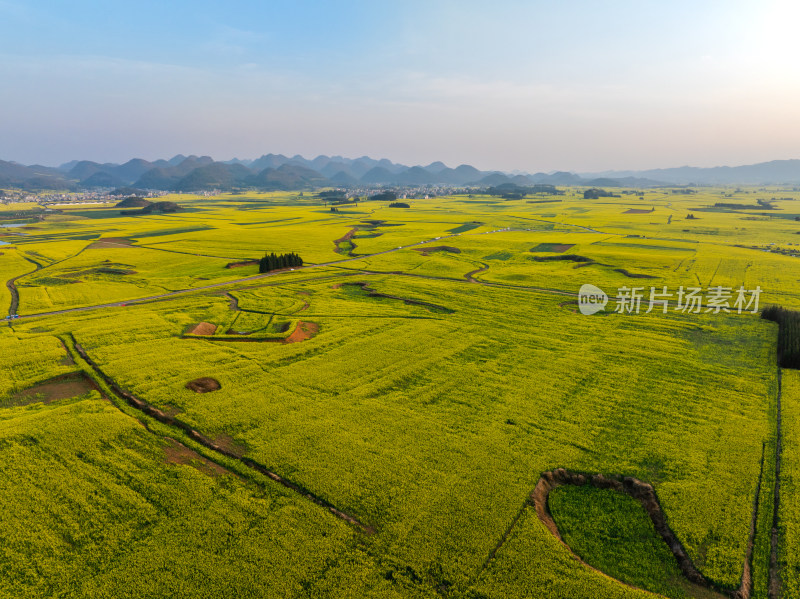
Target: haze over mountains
<point>774,171</point>
<point>279,172</point>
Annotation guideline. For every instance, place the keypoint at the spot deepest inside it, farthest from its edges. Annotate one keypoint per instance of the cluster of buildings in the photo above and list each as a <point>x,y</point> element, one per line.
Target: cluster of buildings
<point>53,198</point>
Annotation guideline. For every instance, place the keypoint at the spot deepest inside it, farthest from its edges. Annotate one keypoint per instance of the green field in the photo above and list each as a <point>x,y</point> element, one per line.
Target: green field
<point>385,412</point>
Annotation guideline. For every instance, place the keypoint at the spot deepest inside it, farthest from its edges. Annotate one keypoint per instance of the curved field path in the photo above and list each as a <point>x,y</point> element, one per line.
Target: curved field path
<point>12,286</point>
<point>307,267</point>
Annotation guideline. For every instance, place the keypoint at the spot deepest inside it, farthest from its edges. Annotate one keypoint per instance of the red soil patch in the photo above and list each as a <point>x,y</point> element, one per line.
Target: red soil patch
<point>204,384</point>
<point>202,328</point>
<point>638,211</point>
<point>176,453</point>
<point>303,332</point>
<point>60,387</point>
<point>111,242</point>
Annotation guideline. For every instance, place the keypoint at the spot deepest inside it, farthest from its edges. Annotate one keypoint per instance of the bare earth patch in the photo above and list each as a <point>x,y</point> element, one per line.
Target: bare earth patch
<point>60,387</point>
<point>243,263</point>
<point>637,211</point>
<point>470,276</point>
<point>204,384</point>
<point>202,328</point>
<point>176,453</point>
<point>111,242</point>
<point>67,359</point>
<point>227,443</point>
<point>348,239</point>
<point>347,236</point>
<point>303,331</point>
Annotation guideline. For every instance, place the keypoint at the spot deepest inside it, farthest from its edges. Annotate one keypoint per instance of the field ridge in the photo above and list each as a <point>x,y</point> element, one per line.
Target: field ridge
<point>164,418</point>
<point>645,494</point>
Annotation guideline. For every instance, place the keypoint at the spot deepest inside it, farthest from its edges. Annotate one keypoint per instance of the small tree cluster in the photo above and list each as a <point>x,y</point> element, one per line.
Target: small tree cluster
<point>277,261</point>
<point>399,205</point>
<point>788,334</point>
<point>595,193</point>
<point>386,196</point>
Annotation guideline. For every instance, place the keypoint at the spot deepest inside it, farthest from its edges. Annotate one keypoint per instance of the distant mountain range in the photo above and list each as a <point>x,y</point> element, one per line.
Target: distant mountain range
<point>772,172</point>
<point>279,172</point>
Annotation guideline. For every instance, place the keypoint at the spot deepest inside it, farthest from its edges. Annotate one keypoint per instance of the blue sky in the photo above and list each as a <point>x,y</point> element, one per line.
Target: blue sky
<point>533,85</point>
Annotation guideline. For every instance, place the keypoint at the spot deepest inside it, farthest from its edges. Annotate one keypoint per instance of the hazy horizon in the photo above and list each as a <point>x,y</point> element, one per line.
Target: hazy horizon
<point>408,164</point>
<point>527,86</point>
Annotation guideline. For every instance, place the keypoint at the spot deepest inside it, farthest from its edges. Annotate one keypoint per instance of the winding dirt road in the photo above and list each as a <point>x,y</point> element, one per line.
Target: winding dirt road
<point>305,268</point>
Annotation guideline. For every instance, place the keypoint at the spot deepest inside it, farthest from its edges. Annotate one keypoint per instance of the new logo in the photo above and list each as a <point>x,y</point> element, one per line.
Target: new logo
<point>591,299</point>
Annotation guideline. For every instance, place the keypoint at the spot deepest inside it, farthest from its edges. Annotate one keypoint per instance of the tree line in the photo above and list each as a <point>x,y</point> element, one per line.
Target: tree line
<point>273,261</point>
<point>788,334</point>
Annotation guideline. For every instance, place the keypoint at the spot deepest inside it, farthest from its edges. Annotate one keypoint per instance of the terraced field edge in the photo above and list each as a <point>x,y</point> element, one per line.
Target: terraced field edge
<point>645,494</point>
